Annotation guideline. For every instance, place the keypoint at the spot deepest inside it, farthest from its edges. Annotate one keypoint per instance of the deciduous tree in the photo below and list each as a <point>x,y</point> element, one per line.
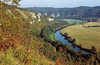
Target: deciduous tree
<point>14,2</point>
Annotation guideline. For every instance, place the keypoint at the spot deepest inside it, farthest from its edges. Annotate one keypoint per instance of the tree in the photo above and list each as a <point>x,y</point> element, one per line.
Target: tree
<point>14,2</point>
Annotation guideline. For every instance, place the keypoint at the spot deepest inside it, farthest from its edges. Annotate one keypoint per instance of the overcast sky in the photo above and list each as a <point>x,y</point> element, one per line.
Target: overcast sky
<point>59,3</point>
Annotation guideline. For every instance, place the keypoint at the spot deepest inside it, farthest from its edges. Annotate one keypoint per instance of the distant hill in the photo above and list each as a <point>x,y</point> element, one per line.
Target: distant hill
<point>82,12</point>
<point>27,38</point>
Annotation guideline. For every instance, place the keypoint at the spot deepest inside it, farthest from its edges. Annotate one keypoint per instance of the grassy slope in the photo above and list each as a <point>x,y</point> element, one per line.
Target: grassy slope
<point>19,40</point>
<point>86,36</point>
<point>20,43</point>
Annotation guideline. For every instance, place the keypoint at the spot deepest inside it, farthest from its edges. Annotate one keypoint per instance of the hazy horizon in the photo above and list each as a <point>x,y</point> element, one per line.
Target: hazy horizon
<point>59,7</point>
<point>59,3</point>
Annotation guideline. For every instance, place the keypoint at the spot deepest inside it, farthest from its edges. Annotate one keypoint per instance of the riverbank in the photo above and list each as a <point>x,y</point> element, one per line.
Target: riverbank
<point>84,36</point>
<point>66,50</point>
<point>95,53</point>
<point>51,30</point>
<point>73,41</point>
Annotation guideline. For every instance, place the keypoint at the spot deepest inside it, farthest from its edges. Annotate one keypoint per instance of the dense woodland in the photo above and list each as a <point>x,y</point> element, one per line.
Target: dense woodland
<point>82,12</point>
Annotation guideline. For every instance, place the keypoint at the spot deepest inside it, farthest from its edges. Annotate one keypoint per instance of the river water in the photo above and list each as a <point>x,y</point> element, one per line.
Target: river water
<point>64,41</point>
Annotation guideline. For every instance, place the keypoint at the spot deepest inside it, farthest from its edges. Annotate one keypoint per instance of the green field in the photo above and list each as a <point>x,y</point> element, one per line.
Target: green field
<point>72,21</point>
<point>87,36</point>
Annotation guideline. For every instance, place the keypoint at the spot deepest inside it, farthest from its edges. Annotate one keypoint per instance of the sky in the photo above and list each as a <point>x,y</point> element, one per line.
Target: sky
<point>59,3</point>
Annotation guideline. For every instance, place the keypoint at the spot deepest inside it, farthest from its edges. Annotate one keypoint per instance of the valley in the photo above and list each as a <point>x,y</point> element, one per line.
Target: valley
<point>84,34</point>
<point>49,36</point>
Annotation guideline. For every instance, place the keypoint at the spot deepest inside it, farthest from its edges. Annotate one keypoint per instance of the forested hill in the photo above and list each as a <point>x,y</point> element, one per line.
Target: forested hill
<point>82,12</point>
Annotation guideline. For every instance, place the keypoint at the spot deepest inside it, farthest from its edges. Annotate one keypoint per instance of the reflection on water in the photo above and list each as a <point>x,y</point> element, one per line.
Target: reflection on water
<point>62,39</point>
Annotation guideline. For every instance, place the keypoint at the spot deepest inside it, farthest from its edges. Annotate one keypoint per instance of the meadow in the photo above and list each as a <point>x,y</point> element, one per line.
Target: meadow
<point>84,35</point>
<point>92,24</point>
<point>72,21</point>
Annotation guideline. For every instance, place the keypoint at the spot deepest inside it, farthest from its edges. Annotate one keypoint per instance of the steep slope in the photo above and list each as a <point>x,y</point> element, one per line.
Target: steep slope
<point>82,12</point>
<point>21,44</point>
<point>19,37</point>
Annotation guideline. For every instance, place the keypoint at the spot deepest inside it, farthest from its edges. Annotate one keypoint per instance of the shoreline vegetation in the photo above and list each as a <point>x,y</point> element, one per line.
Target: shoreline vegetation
<point>73,40</point>
<point>84,31</point>
<point>27,38</point>
<point>73,43</point>
<point>64,47</point>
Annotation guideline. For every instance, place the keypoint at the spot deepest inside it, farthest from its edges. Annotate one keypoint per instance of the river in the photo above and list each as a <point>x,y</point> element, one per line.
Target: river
<point>64,41</point>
